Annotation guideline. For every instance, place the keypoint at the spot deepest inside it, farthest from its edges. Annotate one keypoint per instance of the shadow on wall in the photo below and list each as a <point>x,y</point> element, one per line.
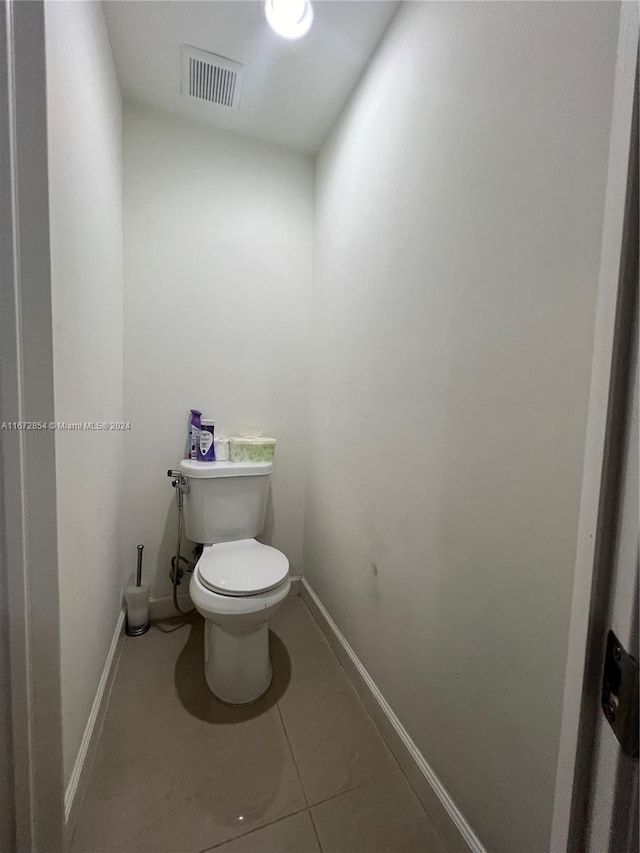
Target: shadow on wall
<point>266,537</point>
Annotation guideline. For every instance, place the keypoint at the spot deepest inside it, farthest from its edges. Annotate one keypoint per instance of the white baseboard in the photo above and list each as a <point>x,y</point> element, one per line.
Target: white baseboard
<point>76,786</point>
<point>447,818</point>
<point>295,584</point>
<point>162,608</point>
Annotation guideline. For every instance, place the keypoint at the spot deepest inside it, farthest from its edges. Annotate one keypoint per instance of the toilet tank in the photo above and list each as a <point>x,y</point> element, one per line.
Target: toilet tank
<point>225,501</point>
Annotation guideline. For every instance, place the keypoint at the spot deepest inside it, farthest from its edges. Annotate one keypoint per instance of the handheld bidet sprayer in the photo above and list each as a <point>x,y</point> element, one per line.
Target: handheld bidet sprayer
<point>181,485</point>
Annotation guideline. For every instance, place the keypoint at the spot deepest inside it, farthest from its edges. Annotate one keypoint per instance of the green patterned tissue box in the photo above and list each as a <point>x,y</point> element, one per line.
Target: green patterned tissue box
<point>258,449</point>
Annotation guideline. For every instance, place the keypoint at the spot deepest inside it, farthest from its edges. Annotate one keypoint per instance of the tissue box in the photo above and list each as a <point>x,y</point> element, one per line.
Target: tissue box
<point>258,449</point>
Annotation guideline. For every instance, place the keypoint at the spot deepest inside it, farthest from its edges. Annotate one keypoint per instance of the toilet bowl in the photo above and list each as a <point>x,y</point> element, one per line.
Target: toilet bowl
<point>237,587</point>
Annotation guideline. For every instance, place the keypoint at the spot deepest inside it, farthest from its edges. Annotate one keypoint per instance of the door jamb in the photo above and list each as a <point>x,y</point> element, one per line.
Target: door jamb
<point>570,775</point>
<point>28,534</point>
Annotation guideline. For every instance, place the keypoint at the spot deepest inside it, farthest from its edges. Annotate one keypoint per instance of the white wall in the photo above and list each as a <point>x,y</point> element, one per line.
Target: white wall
<point>458,225</point>
<point>7,800</point>
<point>218,236</point>
<point>85,173</point>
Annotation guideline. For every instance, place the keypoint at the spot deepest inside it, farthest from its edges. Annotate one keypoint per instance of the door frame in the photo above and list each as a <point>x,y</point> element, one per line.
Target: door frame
<point>28,525</point>
<point>609,363</point>
<point>28,542</point>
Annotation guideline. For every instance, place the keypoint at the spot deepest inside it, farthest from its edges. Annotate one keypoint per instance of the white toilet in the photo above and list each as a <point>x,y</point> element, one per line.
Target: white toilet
<point>238,583</point>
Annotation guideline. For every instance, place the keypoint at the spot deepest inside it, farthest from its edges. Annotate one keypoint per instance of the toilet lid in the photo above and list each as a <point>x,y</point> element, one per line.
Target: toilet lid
<point>245,567</point>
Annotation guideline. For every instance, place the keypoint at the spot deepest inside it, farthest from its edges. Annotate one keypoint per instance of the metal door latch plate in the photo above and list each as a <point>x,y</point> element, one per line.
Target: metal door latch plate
<point>620,694</point>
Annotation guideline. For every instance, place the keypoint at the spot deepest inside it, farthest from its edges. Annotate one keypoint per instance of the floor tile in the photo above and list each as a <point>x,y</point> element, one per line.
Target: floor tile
<point>383,816</point>
<point>116,805</point>
<point>192,724</point>
<point>295,625</point>
<point>338,750</point>
<point>138,702</point>
<point>177,771</point>
<point>291,663</point>
<point>335,744</point>
<point>294,834</point>
<point>240,738</point>
<point>174,645</point>
<point>188,803</point>
<point>318,674</point>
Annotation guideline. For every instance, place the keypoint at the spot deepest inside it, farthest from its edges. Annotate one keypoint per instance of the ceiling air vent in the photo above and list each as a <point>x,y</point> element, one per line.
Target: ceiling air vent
<point>212,78</point>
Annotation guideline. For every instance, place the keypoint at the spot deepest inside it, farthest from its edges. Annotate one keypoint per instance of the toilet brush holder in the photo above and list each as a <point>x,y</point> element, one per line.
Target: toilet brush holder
<point>136,598</point>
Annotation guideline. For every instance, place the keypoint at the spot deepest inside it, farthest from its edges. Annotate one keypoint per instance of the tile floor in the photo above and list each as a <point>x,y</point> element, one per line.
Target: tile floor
<point>303,770</point>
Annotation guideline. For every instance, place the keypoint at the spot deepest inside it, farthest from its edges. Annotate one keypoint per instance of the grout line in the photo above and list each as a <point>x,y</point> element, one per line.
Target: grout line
<point>450,824</point>
<point>308,806</point>
<point>315,829</point>
<point>397,764</point>
<point>291,752</point>
<point>376,778</point>
<point>355,691</point>
<point>253,831</point>
<point>295,764</point>
<point>392,769</point>
<point>283,817</point>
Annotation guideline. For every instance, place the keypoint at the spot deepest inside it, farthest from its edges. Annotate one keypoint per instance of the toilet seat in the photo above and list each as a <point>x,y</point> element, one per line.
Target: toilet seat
<point>241,568</point>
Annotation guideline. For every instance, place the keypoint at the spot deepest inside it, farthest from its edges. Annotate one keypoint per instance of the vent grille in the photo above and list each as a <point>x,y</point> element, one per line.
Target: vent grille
<point>211,78</point>
<point>211,82</point>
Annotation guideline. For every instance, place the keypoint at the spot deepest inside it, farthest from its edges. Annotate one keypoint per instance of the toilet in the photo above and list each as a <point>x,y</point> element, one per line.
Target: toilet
<point>238,583</point>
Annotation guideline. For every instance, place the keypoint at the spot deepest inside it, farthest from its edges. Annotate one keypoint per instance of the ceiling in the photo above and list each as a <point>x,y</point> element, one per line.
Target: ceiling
<point>293,90</point>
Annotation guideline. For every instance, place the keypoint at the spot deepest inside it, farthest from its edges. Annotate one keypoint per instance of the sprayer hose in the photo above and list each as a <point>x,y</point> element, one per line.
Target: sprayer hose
<point>175,564</point>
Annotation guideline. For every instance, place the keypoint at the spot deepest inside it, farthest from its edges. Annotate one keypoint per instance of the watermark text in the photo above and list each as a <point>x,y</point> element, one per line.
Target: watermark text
<point>66,426</point>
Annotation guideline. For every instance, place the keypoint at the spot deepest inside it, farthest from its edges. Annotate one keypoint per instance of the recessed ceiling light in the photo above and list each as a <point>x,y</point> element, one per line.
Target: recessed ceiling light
<point>290,19</point>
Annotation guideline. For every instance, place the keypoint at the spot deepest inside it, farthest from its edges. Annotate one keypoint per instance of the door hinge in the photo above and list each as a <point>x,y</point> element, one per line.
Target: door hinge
<point>620,694</point>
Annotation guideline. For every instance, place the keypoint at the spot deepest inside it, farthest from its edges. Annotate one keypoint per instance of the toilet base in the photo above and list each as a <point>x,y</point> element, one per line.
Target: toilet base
<point>237,665</point>
<point>236,640</point>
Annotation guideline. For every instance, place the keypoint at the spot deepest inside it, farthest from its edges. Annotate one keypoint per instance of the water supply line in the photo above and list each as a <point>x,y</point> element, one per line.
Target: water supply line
<point>181,486</point>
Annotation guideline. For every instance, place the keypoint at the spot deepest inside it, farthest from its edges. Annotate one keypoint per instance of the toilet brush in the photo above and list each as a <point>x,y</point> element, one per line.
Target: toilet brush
<point>137,600</point>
